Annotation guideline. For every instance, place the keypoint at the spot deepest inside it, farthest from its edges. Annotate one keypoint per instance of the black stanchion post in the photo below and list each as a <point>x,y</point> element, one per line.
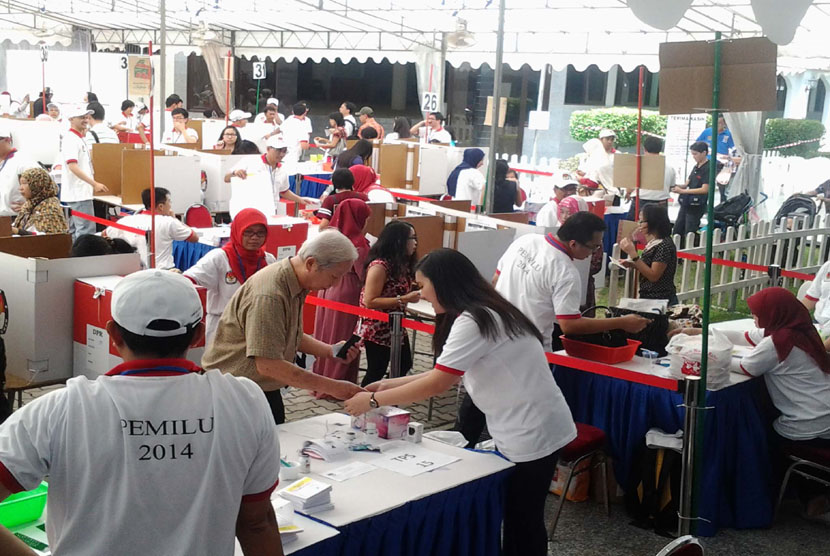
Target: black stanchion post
<point>691,402</point>
<point>774,275</point>
<point>396,341</point>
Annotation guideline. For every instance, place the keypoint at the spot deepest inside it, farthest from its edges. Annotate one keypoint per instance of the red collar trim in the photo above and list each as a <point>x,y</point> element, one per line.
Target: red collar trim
<point>125,115</point>
<point>148,366</point>
<point>554,241</point>
<point>265,161</point>
<point>76,132</point>
<point>11,154</point>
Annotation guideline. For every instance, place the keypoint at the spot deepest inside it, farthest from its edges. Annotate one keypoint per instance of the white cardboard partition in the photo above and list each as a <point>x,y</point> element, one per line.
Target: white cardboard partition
<point>215,166</point>
<point>38,141</point>
<point>436,162</point>
<point>182,176</point>
<point>485,247</point>
<point>40,297</point>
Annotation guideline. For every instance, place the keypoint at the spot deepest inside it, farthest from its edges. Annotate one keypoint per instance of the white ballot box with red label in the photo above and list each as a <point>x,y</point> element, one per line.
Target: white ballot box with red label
<point>286,235</point>
<point>94,353</point>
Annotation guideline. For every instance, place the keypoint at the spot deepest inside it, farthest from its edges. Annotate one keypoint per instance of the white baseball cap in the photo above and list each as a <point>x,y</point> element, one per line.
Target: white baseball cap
<point>273,101</point>
<point>276,142</point>
<point>567,183</point>
<point>237,115</point>
<point>146,296</point>
<point>76,111</point>
<point>606,133</point>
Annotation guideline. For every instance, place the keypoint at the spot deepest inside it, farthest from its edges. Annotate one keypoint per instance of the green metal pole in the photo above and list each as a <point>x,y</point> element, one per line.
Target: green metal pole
<point>258,81</point>
<point>707,279</point>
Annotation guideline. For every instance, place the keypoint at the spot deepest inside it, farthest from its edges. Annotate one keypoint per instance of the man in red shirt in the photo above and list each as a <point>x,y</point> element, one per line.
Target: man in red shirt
<point>343,181</point>
<point>367,119</point>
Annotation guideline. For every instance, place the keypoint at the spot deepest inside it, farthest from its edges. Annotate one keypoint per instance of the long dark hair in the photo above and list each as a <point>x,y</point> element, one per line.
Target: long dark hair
<point>237,143</point>
<point>338,119</point>
<point>362,149</point>
<point>460,287</point>
<point>657,220</point>
<point>402,127</point>
<point>391,247</point>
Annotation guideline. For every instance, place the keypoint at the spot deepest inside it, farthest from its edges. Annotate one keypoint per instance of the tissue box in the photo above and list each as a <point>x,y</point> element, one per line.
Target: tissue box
<point>392,422</point>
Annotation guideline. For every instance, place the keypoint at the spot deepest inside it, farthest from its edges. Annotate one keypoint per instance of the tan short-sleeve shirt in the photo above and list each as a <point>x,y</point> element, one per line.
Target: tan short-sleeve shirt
<point>263,319</point>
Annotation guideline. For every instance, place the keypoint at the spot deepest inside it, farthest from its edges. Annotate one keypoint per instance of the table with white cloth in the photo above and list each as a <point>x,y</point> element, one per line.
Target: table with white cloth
<point>454,510</point>
<point>316,539</point>
<point>737,472</point>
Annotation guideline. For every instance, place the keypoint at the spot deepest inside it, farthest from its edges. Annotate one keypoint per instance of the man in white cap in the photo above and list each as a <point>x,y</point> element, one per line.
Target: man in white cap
<point>77,178</point>
<point>548,215</point>
<point>272,121</point>
<point>160,455</point>
<point>270,162</point>
<point>262,117</point>
<point>12,164</point>
<point>238,118</point>
<point>599,165</point>
<point>296,130</point>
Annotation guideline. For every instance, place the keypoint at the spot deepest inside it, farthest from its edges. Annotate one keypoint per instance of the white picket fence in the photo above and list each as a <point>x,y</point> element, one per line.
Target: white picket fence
<point>801,248</point>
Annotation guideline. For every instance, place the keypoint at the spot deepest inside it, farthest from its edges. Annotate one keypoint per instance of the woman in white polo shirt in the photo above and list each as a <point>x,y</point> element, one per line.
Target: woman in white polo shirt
<point>223,271</point>
<point>498,353</point>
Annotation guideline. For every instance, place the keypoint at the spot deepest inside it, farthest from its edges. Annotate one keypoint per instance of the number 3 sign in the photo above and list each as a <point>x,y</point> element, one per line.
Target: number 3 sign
<point>429,102</point>
<point>259,70</point>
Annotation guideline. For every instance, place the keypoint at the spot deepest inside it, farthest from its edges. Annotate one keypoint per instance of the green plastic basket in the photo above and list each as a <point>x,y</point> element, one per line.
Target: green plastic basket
<point>23,507</point>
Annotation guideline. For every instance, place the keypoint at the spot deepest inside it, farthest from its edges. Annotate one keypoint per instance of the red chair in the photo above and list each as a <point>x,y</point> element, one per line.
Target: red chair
<point>682,546</point>
<point>198,216</point>
<point>589,443</point>
<point>810,462</point>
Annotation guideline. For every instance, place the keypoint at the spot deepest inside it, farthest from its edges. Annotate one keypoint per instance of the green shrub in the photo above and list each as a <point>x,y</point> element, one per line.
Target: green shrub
<point>780,131</point>
<point>586,124</point>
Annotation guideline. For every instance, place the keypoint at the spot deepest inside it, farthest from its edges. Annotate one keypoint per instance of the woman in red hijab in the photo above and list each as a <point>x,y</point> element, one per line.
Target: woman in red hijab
<point>223,271</point>
<point>791,356</point>
<point>364,178</point>
<point>351,217</point>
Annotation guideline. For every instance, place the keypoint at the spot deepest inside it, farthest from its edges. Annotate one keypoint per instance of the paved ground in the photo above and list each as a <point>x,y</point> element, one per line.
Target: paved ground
<point>584,529</point>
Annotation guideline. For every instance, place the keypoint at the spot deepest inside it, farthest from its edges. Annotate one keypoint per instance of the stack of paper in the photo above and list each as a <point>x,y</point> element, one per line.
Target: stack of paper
<point>308,495</point>
<point>285,518</point>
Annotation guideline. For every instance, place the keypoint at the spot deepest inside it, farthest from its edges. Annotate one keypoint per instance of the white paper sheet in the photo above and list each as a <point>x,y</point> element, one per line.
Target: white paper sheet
<point>412,460</point>
<point>349,471</point>
<point>255,191</point>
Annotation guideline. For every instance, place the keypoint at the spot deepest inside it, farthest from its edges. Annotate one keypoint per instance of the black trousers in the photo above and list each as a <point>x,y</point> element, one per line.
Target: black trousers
<point>688,220</point>
<point>377,360</point>
<point>470,421</point>
<point>524,510</point>
<point>274,398</point>
<point>804,488</point>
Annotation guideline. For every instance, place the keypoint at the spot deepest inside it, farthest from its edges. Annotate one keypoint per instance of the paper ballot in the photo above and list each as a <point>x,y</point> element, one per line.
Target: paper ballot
<point>255,191</point>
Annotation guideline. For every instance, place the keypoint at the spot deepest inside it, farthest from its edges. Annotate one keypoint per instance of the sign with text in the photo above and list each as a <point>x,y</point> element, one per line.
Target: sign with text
<point>139,76</point>
<point>259,71</point>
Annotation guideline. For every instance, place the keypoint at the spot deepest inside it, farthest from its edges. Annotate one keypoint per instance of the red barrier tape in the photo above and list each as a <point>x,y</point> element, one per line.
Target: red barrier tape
<point>316,180</point>
<point>613,372</point>
<point>745,266</point>
<point>534,172</point>
<point>108,223</point>
<point>410,197</point>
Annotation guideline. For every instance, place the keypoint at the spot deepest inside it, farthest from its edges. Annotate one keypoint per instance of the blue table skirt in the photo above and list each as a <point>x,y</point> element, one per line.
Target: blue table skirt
<point>309,188</point>
<point>612,224</point>
<point>463,521</point>
<point>186,254</point>
<point>736,491</point>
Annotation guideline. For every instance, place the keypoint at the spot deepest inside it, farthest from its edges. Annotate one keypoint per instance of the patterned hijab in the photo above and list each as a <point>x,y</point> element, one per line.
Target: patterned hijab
<point>42,210</point>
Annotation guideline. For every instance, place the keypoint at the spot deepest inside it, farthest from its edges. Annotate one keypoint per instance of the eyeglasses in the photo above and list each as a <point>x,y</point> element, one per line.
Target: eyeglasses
<point>592,248</point>
<point>252,234</point>
<point>229,135</point>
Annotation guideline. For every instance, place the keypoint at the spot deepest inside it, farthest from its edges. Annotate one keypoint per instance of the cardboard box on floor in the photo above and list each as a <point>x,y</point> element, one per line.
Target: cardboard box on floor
<point>748,76</point>
<point>40,297</point>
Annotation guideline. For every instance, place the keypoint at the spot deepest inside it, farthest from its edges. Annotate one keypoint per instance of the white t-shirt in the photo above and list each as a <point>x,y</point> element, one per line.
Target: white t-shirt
<point>295,131</point>
<point>75,149</point>
<point>350,124</point>
<point>261,119</point>
<point>599,165</point>
<point>537,275</point>
<point>213,271</point>
<point>278,175</point>
<point>104,132</point>
<point>168,230</point>
<point>469,186</point>
<point>440,135</point>
<point>511,383</point>
<point>548,215</point>
<point>798,388</point>
<point>129,122</point>
<point>669,181</point>
<point>173,137</point>
<point>10,170</point>
<point>819,291</point>
<point>143,464</point>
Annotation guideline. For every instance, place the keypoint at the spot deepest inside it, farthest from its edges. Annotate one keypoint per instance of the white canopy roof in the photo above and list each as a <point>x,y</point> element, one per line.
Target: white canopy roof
<point>537,32</point>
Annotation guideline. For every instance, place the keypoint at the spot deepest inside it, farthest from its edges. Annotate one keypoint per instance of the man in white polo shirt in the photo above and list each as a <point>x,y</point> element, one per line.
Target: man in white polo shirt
<point>296,130</point>
<point>180,133</point>
<point>12,164</point>
<point>156,457</point>
<point>77,181</point>
<point>262,117</point>
<point>436,133</point>
<point>238,118</point>
<point>272,163</point>
<point>537,274</point>
<point>168,229</point>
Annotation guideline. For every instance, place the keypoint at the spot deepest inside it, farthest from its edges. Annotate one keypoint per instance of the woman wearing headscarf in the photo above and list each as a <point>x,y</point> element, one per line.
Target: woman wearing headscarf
<point>223,271</point>
<point>506,192</point>
<point>351,218</point>
<point>466,182</point>
<point>364,178</point>
<point>42,212</point>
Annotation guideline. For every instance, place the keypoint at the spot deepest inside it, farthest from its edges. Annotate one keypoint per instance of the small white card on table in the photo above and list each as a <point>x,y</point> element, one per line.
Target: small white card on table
<point>412,460</point>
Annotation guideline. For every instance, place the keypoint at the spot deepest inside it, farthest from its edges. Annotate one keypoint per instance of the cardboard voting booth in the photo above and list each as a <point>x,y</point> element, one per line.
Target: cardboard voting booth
<point>92,349</point>
<point>40,297</point>
<point>215,167</point>
<point>286,235</point>
<point>38,141</point>
<point>179,174</point>
<point>652,171</point>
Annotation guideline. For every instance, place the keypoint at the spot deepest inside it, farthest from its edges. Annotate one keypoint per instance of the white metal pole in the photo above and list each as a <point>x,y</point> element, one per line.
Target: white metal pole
<point>491,169</point>
<point>163,64</point>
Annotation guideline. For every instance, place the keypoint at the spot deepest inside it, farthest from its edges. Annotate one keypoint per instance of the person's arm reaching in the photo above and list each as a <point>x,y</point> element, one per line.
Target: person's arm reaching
<point>257,529</point>
<point>83,176</point>
<point>375,279</point>
<point>427,385</point>
<point>585,325</point>
<point>286,373</point>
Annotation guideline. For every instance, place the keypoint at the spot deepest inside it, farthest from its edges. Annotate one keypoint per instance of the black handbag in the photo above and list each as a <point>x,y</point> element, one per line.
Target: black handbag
<point>654,337</point>
<point>609,338</point>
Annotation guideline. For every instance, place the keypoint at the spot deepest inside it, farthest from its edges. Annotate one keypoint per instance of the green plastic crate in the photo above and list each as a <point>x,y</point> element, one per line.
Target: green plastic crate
<point>23,507</point>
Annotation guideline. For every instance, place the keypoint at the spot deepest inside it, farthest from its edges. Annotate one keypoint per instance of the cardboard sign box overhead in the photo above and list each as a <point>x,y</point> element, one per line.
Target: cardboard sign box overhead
<point>748,76</point>
<point>40,297</point>
<point>652,171</point>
